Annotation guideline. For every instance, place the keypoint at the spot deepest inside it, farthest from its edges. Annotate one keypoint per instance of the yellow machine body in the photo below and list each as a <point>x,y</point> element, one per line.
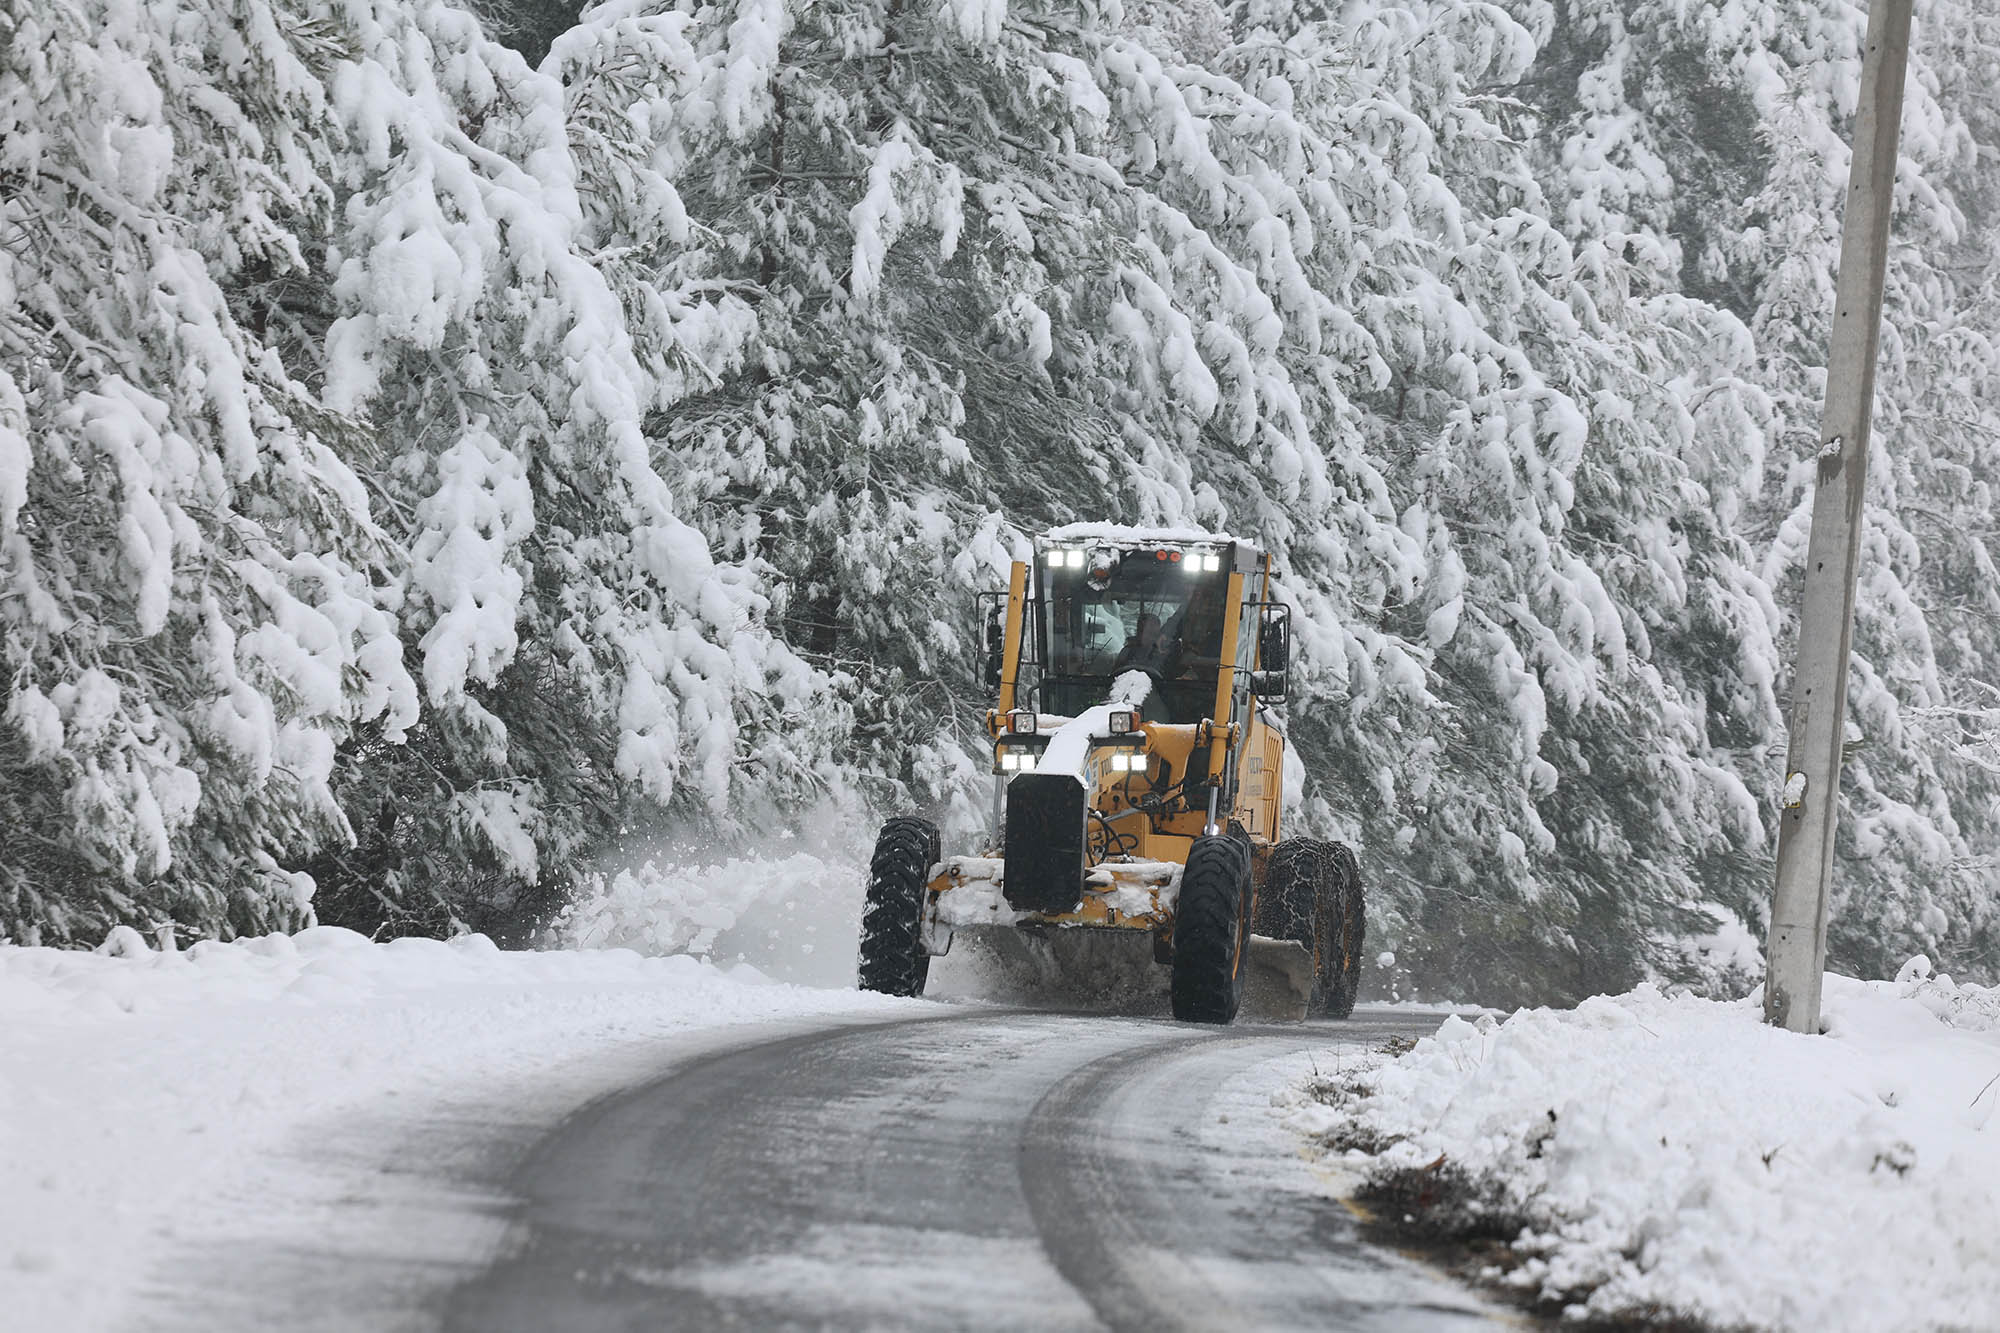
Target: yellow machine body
<point>1201,753</point>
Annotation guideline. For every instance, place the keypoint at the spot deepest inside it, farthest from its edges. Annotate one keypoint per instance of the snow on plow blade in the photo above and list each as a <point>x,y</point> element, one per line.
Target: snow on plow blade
<point>1279,980</point>
<point>1107,941</point>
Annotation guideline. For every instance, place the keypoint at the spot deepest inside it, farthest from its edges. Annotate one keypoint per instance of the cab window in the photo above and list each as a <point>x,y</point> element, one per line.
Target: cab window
<point>1150,613</point>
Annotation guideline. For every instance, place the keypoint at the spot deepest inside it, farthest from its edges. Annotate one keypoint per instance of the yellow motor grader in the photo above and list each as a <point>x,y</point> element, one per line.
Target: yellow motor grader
<point>1138,780</point>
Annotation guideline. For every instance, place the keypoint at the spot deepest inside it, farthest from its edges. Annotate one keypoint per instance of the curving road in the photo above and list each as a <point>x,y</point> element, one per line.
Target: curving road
<point>969,1170</point>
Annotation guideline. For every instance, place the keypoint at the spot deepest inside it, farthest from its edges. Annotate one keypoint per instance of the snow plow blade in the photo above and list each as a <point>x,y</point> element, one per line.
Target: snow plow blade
<point>1279,981</point>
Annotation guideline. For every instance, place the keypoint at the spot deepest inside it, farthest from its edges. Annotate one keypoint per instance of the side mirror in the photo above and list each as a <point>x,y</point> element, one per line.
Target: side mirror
<point>1274,645</point>
<point>995,646</point>
<point>1274,655</point>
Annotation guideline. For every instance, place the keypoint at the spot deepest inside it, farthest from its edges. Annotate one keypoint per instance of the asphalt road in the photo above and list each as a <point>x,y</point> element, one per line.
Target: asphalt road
<point>970,1170</point>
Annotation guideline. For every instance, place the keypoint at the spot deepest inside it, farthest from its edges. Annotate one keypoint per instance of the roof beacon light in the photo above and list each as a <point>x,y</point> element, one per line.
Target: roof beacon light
<point>1103,564</point>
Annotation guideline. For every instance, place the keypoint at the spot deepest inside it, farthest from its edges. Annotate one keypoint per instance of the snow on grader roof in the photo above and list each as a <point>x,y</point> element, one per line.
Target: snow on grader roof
<point>1138,783</point>
<point>1124,534</point>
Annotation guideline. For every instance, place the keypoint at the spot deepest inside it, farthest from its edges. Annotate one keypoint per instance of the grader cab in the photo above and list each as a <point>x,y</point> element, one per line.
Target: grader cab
<point>1138,770</point>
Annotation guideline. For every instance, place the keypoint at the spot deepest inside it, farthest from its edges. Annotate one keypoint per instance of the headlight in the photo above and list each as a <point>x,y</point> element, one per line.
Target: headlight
<point>1016,758</point>
<point>1021,722</point>
<point>1124,721</point>
<point>1128,761</point>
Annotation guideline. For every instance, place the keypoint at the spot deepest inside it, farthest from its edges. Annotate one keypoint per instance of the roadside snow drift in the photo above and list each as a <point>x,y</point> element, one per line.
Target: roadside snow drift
<point>164,1111</point>
<point>1675,1154</point>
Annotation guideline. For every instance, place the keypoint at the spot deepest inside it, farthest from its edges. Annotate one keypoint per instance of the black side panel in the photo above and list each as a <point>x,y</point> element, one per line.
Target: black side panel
<point>1194,786</point>
<point>1045,842</point>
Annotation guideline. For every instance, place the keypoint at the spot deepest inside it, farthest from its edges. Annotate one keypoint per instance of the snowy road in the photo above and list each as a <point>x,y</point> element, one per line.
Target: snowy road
<point>969,1170</point>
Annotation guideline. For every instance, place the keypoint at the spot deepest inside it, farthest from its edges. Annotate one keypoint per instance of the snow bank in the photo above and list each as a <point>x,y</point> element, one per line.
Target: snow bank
<point>1675,1153</point>
<point>160,1109</point>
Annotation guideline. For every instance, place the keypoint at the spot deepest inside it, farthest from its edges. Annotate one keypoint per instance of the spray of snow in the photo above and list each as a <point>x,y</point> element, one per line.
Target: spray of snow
<point>794,912</point>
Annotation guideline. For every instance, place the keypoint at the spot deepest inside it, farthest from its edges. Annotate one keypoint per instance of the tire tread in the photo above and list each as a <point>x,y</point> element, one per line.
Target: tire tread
<point>1207,978</point>
<point>1352,925</point>
<point>892,958</point>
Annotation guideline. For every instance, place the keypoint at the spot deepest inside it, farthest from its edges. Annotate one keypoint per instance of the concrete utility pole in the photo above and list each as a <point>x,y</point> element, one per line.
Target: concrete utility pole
<point>1796,950</point>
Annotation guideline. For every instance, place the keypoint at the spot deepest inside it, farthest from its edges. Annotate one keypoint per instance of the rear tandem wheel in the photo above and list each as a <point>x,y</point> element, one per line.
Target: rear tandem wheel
<point>1312,894</point>
<point>1352,933</point>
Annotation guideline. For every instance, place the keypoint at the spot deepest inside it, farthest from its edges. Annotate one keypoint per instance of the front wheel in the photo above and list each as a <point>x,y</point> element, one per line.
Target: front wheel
<point>893,959</point>
<point>1212,931</point>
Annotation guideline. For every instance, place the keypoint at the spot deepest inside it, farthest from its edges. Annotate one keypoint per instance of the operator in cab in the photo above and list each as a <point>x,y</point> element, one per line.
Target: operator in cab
<point>1146,650</point>
<point>1179,653</point>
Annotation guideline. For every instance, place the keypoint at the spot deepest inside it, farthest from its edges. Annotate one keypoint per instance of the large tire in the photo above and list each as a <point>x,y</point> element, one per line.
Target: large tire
<point>893,959</point>
<point>1301,900</point>
<point>1212,930</point>
<point>1352,932</point>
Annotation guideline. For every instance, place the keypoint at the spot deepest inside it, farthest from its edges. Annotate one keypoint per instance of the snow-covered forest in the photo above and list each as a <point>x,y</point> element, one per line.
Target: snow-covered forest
<point>443,445</point>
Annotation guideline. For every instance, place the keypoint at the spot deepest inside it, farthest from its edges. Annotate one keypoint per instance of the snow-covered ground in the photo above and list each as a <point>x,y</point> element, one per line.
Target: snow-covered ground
<point>173,1124</point>
<point>196,1139</point>
<point>1675,1154</point>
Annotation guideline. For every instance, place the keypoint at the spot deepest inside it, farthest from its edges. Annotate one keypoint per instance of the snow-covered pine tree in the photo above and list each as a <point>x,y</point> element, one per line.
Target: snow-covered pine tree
<point>1021,263</point>
<point>827,303</point>
<point>188,621</point>
<point>1564,438</point>
<point>507,306</point>
<point>1721,133</point>
<point>976,240</point>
